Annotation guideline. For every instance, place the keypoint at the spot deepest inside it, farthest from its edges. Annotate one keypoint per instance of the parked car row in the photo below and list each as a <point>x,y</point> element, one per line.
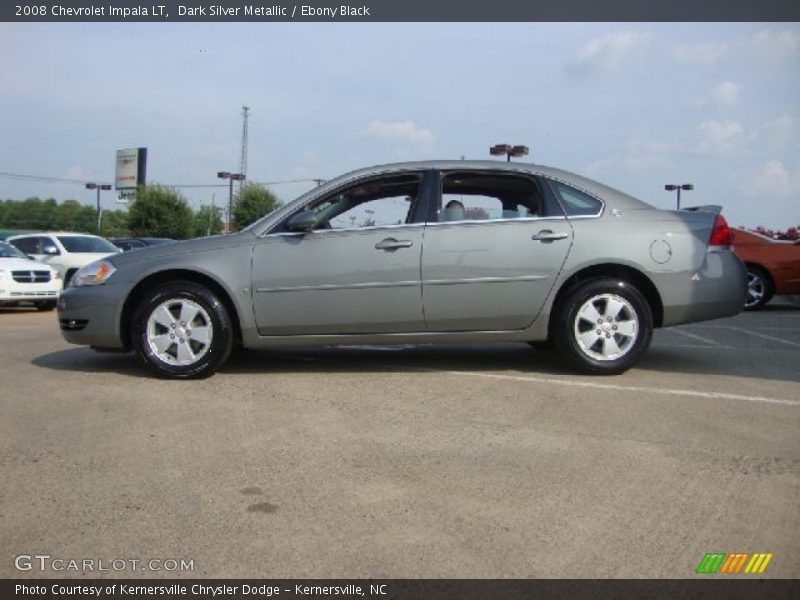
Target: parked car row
<point>34,267</point>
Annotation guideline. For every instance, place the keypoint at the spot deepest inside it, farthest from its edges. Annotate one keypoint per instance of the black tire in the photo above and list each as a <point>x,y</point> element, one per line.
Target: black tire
<point>45,305</point>
<point>629,331</point>
<point>759,288</point>
<point>212,318</point>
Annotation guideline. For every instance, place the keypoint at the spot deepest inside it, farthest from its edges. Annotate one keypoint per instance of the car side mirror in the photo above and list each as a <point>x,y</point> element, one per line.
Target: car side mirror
<point>302,221</point>
<point>50,249</point>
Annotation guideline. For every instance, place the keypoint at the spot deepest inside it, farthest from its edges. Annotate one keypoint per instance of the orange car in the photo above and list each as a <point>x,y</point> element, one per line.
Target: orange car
<point>773,266</point>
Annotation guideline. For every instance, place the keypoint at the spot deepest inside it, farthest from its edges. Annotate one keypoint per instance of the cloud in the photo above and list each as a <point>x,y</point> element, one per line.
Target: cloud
<point>771,45</point>
<point>725,95</point>
<point>719,137</point>
<point>401,131</point>
<point>777,134</point>
<point>761,46</point>
<point>771,179</point>
<point>608,52</point>
<point>702,53</point>
<point>79,172</point>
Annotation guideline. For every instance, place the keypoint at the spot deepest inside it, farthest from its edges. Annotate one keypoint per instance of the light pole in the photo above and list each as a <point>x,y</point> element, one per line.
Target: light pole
<point>98,187</point>
<point>508,151</point>
<point>231,177</point>
<point>672,187</point>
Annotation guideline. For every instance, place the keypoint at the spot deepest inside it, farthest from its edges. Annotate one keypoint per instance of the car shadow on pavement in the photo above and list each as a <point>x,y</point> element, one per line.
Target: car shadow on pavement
<point>497,358</point>
<point>85,360</point>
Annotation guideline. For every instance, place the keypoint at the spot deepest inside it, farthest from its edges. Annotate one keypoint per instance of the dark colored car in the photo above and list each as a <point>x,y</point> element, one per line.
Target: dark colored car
<point>126,244</point>
<point>773,266</point>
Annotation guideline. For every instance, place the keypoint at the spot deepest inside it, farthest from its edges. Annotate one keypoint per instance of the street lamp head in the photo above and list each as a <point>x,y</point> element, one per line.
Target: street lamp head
<point>670,187</point>
<point>91,186</point>
<point>500,149</point>
<point>687,186</point>
<point>223,174</point>
<point>238,176</point>
<point>105,186</point>
<point>519,151</point>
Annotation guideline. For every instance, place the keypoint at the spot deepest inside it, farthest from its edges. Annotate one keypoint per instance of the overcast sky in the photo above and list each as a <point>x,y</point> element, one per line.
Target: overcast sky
<point>632,105</point>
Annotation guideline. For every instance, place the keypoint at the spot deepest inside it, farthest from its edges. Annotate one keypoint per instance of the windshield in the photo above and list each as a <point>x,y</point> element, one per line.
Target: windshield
<point>75,243</point>
<point>9,251</point>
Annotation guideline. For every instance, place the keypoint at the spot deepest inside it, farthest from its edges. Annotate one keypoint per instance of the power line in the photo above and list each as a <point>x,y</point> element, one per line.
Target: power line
<point>47,179</point>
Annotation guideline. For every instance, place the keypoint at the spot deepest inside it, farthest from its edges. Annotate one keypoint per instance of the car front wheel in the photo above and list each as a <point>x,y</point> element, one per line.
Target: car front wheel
<point>604,326</point>
<point>182,330</point>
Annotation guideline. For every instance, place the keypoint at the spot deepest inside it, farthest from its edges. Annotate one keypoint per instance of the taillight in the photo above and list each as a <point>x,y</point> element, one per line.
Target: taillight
<point>721,233</point>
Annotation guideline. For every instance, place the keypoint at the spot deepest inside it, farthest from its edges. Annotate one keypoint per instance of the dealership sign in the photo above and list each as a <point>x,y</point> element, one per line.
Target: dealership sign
<point>130,172</point>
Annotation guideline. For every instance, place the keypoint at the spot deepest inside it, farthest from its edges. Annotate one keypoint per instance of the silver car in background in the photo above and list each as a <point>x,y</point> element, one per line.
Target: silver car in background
<point>444,252</point>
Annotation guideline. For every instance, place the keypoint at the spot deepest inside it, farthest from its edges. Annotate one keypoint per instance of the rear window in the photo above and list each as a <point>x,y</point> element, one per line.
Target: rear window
<point>74,243</point>
<point>575,202</point>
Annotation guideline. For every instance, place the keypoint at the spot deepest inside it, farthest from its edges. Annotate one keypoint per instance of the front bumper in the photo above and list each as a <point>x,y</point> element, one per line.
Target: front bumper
<point>91,315</point>
<point>715,291</point>
<point>12,291</point>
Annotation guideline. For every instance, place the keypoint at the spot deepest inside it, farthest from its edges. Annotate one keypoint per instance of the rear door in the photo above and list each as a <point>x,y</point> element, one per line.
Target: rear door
<point>493,248</point>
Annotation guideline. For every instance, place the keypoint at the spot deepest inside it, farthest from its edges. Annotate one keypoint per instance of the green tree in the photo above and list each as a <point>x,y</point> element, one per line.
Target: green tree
<point>252,202</point>
<point>71,215</point>
<point>114,223</point>
<point>208,221</point>
<point>160,211</point>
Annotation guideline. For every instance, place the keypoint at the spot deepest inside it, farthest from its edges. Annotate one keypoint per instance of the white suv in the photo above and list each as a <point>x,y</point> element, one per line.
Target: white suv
<point>65,252</point>
<point>26,280</point>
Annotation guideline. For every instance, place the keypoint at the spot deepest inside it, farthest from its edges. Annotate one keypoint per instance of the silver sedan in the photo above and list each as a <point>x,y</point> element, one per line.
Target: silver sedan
<point>450,251</point>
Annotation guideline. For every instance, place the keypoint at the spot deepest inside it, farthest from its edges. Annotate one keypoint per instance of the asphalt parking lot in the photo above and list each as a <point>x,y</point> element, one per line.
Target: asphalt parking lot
<point>427,461</point>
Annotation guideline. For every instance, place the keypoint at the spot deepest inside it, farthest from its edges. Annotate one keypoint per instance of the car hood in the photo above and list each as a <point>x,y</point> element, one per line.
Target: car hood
<point>179,247</point>
<point>22,264</point>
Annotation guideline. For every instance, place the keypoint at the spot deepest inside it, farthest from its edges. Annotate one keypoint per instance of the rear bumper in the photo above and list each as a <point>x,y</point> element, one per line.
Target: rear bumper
<point>91,315</point>
<point>715,291</point>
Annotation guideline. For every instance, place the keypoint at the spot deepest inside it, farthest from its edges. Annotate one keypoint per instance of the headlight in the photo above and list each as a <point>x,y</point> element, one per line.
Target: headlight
<point>93,274</point>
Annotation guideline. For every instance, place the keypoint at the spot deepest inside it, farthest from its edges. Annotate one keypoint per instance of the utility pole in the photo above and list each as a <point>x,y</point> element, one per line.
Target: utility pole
<point>243,162</point>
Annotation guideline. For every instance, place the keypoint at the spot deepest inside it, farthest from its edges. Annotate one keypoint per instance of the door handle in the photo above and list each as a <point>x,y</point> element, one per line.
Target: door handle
<point>393,244</point>
<point>548,236</point>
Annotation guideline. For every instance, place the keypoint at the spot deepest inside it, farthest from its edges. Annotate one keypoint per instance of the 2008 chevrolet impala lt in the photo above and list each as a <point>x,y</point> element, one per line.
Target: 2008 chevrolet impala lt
<point>450,251</point>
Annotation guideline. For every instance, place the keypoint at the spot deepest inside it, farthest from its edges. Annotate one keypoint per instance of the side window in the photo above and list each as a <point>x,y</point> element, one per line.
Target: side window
<point>27,245</point>
<point>488,197</point>
<point>575,202</point>
<point>374,203</point>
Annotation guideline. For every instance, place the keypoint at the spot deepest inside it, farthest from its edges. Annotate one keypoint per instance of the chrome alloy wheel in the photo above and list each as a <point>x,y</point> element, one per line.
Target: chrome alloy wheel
<point>756,289</point>
<point>606,327</point>
<point>179,332</point>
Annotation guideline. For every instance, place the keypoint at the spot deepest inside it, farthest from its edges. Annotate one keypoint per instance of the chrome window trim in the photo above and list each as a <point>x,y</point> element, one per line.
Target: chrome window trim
<point>345,230</point>
<point>488,221</point>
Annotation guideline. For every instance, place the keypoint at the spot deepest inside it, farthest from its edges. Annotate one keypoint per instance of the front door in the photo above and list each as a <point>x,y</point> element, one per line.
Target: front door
<point>356,272</point>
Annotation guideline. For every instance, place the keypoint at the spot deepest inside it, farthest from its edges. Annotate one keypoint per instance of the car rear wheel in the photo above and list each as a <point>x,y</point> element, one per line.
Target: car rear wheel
<point>604,326</point>
<point>759,288</point>
<point>182,330</point>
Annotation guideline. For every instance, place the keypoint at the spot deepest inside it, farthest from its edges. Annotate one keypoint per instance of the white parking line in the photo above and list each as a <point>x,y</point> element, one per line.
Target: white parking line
<point>695,337</point>
<point>629,388</point>
<point>760,335</point>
